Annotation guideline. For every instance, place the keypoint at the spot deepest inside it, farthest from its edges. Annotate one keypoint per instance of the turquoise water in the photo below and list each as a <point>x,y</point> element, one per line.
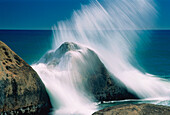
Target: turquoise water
<point>153,55</point>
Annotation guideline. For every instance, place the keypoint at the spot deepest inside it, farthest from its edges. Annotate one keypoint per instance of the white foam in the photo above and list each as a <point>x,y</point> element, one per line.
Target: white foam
<point>93,27</point>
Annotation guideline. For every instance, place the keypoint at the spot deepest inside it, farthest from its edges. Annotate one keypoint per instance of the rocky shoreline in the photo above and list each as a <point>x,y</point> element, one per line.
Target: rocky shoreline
<point>23,92</point>
<point>35,109</point>
<point>100,84</point>
<point>135,109</point>
<point>21,89</point>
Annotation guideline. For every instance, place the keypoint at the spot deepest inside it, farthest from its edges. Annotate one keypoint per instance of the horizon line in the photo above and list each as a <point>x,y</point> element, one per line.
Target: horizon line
<point>73,29</point>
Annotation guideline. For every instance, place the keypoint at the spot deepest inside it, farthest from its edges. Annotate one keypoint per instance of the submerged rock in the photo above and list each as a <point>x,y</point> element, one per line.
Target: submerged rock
<point>21,89</point>
<point>95,78</point>
<point>135,109</point>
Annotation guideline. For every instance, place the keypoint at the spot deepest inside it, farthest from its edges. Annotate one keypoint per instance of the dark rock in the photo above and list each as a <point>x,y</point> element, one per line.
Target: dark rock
<point>100,82</point>
<point>21,89</point>
<point>97,80</point>
<point>135,109</point>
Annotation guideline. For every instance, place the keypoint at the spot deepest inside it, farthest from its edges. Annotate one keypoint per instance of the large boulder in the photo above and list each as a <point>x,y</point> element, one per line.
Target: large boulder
<point>21,89</point>
<point>135,109</point>
<point>96,79</point>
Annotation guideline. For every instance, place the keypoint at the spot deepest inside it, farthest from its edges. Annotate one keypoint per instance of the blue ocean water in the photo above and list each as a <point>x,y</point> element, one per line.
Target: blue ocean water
<point>30,45</point>
<point>152,52</point>
<point>153,56</point>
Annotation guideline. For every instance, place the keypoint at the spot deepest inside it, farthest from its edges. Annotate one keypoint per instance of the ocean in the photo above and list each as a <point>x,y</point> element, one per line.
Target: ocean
<point>153,57</point>
<point>30,45</point>
<point>117,32</point>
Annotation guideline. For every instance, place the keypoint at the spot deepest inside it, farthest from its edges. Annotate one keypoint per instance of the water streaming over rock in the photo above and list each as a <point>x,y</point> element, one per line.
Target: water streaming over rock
<point>108,28</point>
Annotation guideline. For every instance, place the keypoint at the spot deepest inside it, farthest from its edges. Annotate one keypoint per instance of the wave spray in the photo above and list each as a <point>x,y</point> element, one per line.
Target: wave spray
<point>108,28</point>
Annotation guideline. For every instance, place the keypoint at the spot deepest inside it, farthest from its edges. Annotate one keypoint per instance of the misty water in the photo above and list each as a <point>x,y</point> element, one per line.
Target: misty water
<point>109,29</point>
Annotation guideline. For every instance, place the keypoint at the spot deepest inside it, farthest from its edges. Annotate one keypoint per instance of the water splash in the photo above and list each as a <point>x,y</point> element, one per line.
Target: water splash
<point>108,28</point>
<point>60,73</point>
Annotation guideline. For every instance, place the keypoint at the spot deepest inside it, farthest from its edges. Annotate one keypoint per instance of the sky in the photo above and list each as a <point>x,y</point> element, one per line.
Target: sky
<point>43,14</point>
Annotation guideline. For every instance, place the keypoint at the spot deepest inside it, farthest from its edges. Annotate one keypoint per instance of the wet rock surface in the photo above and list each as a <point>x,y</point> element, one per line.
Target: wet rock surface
<point>135,109</point>
<point>96,79</point>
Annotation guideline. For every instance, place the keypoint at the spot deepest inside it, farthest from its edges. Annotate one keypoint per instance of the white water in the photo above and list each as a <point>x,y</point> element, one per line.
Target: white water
<point>64,82</point>
<point>100,27</point>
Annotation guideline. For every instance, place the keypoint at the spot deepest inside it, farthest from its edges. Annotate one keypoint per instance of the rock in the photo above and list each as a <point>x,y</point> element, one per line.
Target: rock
<point>100,82</point>
<point>96,79</point>
<point>135,109</point>
<point>54,57</point>
<point>21,89</point>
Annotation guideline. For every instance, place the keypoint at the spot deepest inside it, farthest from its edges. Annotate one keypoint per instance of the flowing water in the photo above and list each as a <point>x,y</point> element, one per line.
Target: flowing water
<point>108,28</point>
